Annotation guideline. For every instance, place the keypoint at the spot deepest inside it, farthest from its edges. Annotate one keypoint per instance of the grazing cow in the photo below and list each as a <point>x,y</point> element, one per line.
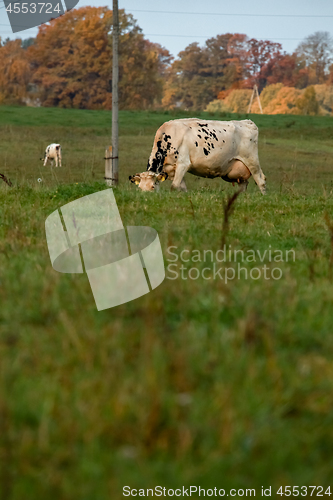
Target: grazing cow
<point>53,152</point>
<point>205,148</point>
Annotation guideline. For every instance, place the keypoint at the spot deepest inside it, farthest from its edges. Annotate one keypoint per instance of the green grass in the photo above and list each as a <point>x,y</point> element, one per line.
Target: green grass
<point>197,383</point>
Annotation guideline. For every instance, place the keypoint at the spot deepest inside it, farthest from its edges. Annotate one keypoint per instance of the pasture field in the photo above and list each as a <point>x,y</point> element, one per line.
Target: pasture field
<point>200,382</point>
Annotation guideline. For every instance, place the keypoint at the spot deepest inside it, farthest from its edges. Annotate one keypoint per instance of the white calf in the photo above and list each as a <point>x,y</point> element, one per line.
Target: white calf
<point>53,152</point>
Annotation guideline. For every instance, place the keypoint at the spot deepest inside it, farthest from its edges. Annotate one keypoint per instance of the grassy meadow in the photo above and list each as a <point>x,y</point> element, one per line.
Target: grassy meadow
<point>200,382</point>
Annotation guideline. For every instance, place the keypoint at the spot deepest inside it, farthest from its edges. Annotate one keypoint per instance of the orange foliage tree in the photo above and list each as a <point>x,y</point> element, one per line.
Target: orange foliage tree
<point>72,61</point>
<point>15,72</point>
<point>283,100</point>
<point>324,96</point>
<point>307,103</point>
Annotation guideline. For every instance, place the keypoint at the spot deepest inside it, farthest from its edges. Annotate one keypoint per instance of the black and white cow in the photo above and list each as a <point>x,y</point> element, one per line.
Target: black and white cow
<point>206,148</point>
<point>53,152</point>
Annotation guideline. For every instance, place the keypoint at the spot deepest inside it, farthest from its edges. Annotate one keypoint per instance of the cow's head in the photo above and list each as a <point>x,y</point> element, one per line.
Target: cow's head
<point>148,181</point>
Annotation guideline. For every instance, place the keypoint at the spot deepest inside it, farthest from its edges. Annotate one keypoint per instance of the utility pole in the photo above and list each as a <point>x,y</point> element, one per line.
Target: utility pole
<point>115,78</point>
<point>111,154</point>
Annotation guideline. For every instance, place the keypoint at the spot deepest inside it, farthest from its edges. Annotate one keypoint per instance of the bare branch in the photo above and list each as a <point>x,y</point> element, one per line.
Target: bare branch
<point>7,181</point>
<point>228,208</point>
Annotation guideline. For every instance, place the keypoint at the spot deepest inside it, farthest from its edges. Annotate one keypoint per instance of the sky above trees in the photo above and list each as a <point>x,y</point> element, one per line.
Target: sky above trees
<point>286,23</point>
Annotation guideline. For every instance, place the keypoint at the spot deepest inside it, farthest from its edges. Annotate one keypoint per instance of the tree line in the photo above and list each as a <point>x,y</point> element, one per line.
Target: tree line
<point>69,64</point>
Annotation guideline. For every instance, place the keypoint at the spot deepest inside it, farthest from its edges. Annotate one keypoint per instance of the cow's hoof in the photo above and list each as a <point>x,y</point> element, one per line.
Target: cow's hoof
<point>178,188</point>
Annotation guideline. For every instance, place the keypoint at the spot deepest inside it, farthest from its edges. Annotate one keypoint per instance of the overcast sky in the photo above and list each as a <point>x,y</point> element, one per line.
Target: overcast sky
<point>177,23</point>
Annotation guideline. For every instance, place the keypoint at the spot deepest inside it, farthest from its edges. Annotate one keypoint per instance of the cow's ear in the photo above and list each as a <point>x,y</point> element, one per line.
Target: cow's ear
<point>162,177</point>
<point>135,178</point>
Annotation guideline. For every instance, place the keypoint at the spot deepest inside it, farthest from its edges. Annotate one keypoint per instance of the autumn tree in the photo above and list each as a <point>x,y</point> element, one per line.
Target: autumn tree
<point>199,74</point>
<point>237,58</point>
<point>324,96</point>
<point>218,67</point>
<point>259,54</point>
<point>317,52</point>
<point>280,69</point>
<point>187,80</point>
<point>72,61</point>
<point>15,72</point>
<point>142,70</point>
<point>307,103</point>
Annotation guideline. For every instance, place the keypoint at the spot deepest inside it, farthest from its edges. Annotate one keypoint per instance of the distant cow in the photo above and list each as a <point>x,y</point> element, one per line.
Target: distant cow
<point>205,148</point>
<point>53,152</point>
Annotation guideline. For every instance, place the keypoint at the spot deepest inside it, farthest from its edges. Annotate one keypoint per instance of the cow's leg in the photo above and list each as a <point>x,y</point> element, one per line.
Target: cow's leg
<point>183,186</point>
<point>56,160</point>
<point>178,181</point>
<point>45,161</point>
<point>259,179</point>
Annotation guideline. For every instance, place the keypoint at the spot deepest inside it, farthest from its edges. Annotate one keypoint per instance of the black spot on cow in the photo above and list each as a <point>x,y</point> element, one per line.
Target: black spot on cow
<point>224,130</point>
<point>199,136</point>
<point>223,140</point>
<point>205,151</point>
<point>158,161</point>
<point>212,145</point>
<point>203,124</point>
<point>196,144</point>
<point>214,136</point>
<point>206,137</point>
